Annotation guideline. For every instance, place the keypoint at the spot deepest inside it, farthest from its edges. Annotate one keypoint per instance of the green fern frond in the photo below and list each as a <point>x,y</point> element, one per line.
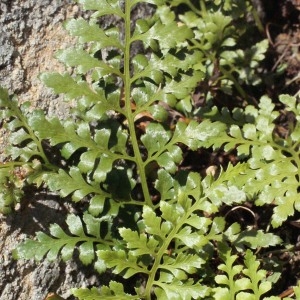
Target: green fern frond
<point>26,160</point>
<point>234,285</point>
<point>16,120</point>
<point>60,242</point>
<point>273,162</point>
<point>115,290</point>
<point>11,188</point>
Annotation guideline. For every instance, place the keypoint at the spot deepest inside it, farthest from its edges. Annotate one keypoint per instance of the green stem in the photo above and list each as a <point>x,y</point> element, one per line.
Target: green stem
<point>13,164</point>
<point>203,8</point>
<point>257,20</point>
<point>157,261</point>
<point>128,110</point>
<point>236,84</point>
<point>164,247</point>
<point>193,7</point>
<point>35,139</point>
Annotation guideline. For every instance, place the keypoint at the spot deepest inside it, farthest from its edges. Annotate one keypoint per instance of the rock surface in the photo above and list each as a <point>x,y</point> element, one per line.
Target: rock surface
<point>31,31</point>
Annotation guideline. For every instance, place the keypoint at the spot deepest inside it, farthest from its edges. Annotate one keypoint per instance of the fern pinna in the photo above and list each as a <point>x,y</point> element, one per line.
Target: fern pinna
<point>121,154</point>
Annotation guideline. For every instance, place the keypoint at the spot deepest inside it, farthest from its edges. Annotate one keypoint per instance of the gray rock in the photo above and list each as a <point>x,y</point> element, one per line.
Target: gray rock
<point>31,32</point>
<point>6,49</point>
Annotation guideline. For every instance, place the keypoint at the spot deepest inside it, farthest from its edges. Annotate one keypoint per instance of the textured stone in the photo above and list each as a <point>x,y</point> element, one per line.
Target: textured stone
<point>31,31</point>
<point>23,279</point>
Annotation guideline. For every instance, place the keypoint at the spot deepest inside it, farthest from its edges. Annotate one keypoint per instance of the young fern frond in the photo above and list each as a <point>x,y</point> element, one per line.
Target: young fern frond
<point>217,28</point>
<point>16,120</point>
<point>155,250</point>
<point>24,154</point>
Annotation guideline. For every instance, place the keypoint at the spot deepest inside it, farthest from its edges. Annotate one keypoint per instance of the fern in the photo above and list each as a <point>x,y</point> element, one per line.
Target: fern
<point>272,175</point>
<point>217,27</point>
<point>114,290</point>
<point>25,154</point>
<point>65,244</point>
<point>252,279</point>
<point>120,152</point>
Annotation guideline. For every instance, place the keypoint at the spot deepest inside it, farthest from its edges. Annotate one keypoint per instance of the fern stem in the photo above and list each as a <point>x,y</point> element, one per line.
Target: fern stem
<point>203,8</point>
<point>129,114</point>
<point>164,247</point>
<point>235,82</point>
<point>37,141</point>
<point>157,261</point>
<point>193,7</point>
<point>257,20</point>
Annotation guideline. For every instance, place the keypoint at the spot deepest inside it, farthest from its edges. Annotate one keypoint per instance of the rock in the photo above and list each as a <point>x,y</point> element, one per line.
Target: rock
<point>31,32</point>
<point>24,279</point>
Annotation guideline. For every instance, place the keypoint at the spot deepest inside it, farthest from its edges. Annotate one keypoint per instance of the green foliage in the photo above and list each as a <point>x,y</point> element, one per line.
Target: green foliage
<point>272,175</point>
<point>114,290</point>
<point>11,191</point>
<point>144,216</point>
<point>252,279</point>
<point>218,26</point>
<point>65,244</point>
<point>24,153</point>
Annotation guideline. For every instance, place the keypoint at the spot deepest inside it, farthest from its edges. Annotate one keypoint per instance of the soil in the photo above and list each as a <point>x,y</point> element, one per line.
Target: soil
<point>282,28</point>
<point>283,31</point>
<point>26,50</point>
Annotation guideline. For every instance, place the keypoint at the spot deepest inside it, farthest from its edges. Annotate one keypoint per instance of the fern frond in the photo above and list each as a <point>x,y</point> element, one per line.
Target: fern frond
<point>26,160</point>
<point>115,290</point>
<point>16,120</point>
<point>147,217</point>
<point>272,170</point>
<point>122,262</point>
<point>232,284</point>
<point>10,187</point>
<point>60,242</point>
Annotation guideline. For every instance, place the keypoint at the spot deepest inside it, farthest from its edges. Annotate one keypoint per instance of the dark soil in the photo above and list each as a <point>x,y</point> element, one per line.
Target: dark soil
<point>282,28</point>
<point>280,20</point>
